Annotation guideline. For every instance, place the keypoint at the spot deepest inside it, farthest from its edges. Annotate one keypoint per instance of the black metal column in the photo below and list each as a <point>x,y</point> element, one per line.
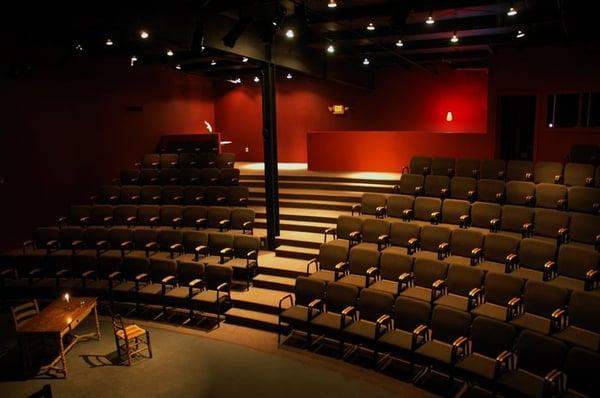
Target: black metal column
<point>270,151</point>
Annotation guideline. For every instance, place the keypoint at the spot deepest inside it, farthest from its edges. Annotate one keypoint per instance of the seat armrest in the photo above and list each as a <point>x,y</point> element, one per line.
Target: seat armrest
<point>223,287</point>
<point>494,224</point>
<point>530,200</point>
<point>563,236</point>
<point>561,204</point>
<point>405,281</point>
<point>355,237</point>
<point>383,323</point>
<point>177,222</point>
<point>514,308</point>
<point>505,362</point>
<point>340,268</point>
<point>500,197</point>
<point>131,221</point>
<point>444,193</point>
<point>550,271</point>
<point>115,275</point>
<point>226,253</point>
<point>476,255</point>
<point>371,276</point>
<point>443,250</point>
<point>472,196</point>
<point>200,250</point>
<point>381,212</point>
<point>150,246</point>
<point>460,348</point>
<point>464,221</point>
<point>558,179</point>
<point>383,241</point>
<point>438,288</point>
<point>126,246</point>
<point>528,176</point>
<point>200,223</point>
<point>418,190</point>
<point>286,297</point>
<point>555,383</point>
<point>316,304</point>
<point>62,221</point>
<point>527,231</point>
<point>224,225</point>
<point>501,175</point>
<point>247,227</point>
<point>311,262</point>
<point>168,280</point>
<point>154,221</point>
<point>414,245</point>
<point>474,298</point>
<point>420,335</point>
<point>511,262</point>
<point>348,312</point>
<point>435,217</point>
<point>329,231</point>
<point>558,320</point>
<point>252,255</point>
<point>175,248</point>
<point>589,182</point>
<point>591,279</point>
<point>356,208</point>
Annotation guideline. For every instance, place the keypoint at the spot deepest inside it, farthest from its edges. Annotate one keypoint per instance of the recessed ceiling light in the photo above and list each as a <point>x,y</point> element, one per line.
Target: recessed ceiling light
<point>289,76</point>
<point>511,12</point>
<point>520,34</point>
<point>366,61</point>
<point>213,62</point>
<point>78,47</point>
<point>178,67</point>
<point>332,4</point>
<point>550,125</point>
<point>144,34</point>
<point>399,43</point>
<point>109,42</point>
<point>370,26</point>
<point>170,53</point>
<point>454,39</point>
<point>330,49</point>
<point>430,20</point>
<point>256,79</point>
<point>289,34</point>
<point>133,60</point>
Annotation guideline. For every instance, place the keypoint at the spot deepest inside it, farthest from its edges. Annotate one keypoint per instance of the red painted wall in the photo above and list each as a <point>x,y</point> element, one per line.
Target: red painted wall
<point>412,99</point>
<point>543,71</point>
<point>66,131</point>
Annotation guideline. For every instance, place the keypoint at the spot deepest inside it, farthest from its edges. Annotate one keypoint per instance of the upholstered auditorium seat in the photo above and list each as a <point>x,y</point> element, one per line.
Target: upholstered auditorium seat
<point>329,266</point>
<point>391,266</point>
<point>424,210</point>
<point>493,169</point>
<point>443,166</point>
<point>149,176</point>
<point>308,292</point>
<point>575,269</point>
<point>482,215</point>
<point>462,288</point>
<point>195,247</point>
<point>371,204</point>
<point>466,247</point>
<point>229,177</point>
<point>189,176</point>
<point>548,173</point>
<point>463,188</point>
<point>244,260</point>
<point>169,177</point>
<point>172,195</point>
<point>207,159</point>
<point>171,217</point>
<point>209,176</point>
<point>520,193</point>
<point>584,231</point>
<point>534,260</point>
<point>583,199</point>
<point>579,174</point>
<point>218,218</point>
<point>215,196</point>
<point>150,160</point>
<point>519,170</point>
<point>426,282</point>
<point>346,233</point>
<point>537,307</point>
<point>148,215</point>
<point>130,194</point>
<point>108,194</point>
<point>362,267</point>
<point>500,253</point>
<point>151,194</point>
<point>189,280</point>
<point>489,190</point>
<point>420,165</point>
<point>225,160</point>
<point>455,213</point>
<point>437,186</point>
<point>551,226</point>
<point>434,242</point>
<point>220,247</point>
<point>188,160</point>
<point>410,184</point>
<point>238,196</point>
<point>169,160</point>
<point>551,196</point>
<point>466,167</point>
<point>517,221</point>
<point>194,217</point>
<point>162,278</point>
<point>129,177</point>
<point>580,324</point>
<point>193,195</point>
<point>375,234</point>
<point>498,291</point>
<point>215,291</point>
<point>580,369</point>
<point>397,204</point>
<point>242,220</point>
<point>77,215</point>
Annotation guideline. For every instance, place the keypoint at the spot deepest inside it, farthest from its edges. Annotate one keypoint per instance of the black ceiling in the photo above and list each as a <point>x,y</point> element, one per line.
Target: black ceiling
<point>481,26</point>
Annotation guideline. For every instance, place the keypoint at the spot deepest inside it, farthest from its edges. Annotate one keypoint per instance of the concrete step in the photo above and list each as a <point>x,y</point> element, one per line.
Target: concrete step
<point>293,225</point>
<point>296,252</point>
<point>312,194</point>
<point>314,215</point>
<point>272,282</point>
<point>253,319</point>
<point>327,185</point>
<point>324,178</point>
<point>270,264</point>
<point>258,299</point>
<point>305,204</point>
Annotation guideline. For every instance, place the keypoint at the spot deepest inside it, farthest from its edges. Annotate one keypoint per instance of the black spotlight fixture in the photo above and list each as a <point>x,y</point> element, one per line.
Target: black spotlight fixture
<point>272,26</point>
<point>236,31</point>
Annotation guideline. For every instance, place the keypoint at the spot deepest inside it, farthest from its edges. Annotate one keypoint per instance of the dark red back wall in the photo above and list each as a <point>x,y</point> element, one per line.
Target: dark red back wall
<point>412,99</point>
<point>66,131</point>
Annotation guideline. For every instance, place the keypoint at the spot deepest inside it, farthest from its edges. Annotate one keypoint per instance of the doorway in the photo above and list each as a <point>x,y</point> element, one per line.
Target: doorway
<point>516,122</point>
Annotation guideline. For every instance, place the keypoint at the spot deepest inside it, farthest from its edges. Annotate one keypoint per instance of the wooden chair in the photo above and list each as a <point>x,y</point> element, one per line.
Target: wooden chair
<point>22,313</point>
<point>129,338</point>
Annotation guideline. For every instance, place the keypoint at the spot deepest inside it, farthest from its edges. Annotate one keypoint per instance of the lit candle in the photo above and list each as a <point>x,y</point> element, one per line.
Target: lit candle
<point>67,297</point>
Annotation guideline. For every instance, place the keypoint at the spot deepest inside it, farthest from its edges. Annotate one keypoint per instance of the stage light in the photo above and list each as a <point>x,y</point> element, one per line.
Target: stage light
<point>370,26</point>
<point>331,49</point>
<point>289,34</point>
<point>144,34</point>
<point>109,42</point>
<point>332,4</point>
<point>289,76</point>
<point>213,62</point>
<point>399,43</point>
<point>449,116</point>
<point>520,34</point>
<point>430,20</point>
<point>366,61</point>
<point>133,60</point>
<point>170,53</point>
<point>256,79</point>
<point>454,39</point>
<point>178,67</point>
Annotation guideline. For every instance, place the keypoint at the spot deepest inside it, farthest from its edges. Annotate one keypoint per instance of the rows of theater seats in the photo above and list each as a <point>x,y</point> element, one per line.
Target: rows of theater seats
<point>518,342</point>
<point>170,267</point>
<point>187,160</point>
<point>168,216</point>
<point>188,176</point>
<point>172,194</point>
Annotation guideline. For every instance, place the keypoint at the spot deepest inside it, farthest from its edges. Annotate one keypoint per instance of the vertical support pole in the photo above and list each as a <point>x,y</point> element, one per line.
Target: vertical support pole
<point>270,149</point>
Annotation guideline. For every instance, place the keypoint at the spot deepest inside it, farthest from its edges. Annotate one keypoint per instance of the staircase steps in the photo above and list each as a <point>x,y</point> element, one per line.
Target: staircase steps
<point>272,282</point>
<point>296,252</point>
<point>326,185</point>
<point>252,319</point>
<point>293,225</point>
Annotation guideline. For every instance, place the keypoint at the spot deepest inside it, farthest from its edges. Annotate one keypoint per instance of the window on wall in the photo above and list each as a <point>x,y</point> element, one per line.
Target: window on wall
<point>580,110</point>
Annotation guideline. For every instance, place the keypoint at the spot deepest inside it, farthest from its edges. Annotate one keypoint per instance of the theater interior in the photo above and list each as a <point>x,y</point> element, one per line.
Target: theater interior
<point>300,198</point>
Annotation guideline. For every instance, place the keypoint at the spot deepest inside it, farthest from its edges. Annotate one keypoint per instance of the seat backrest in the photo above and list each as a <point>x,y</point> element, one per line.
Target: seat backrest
<point>433,235</point>
<point>493,169</point>
<point>371,201</point>
<point>453,209</point>
<point>534,253</point>
<point>23,312</point>
<point>193,239</point>
<point>584,228</point>
<point>460,187</point>
<point>308,289</point>
<point>425,206</point>
<point>482,213</point>
<point>130,194</point>
<point>392,265</point>
<point>77,212</point>
<point>168,213</point>
<point>172,194</point>
<point>543,299</point>
<point>396,204</point>
<point>100,213</point>
<point>168,237</point>
<point>500,288</point>
<point>401,233</point>
<point>410,182</point>
<point>237,196</point>
<point>119,327</point>
<point>339,296</point>
<point>151,194</point>
<point>94,235</point>
<point>218,241</point>
<point>514,217</point>
<point>216,275</point>
<point>142,236</point>
<point>374,303</point>
<point>169,176</point>
<point>434,185</point>
<point>216,214</point>
<point>461,280</point>
<point>466,167</point>
<point>420,165</point>
<point>548,195</point>
<point>443,166</point>
<point>496,247</point>
<point>584,153</point>
<point>149,176</point>
<point>518,192</point>
<point>410,313</point>
<point>187,159</point>
<point>448,324</point>
<point>215,195</point>
<point>168,160</point>
<point>225,160</point>
<point>193,213</point>
<point>69,234</point>
<point>193,194</point>
<point>540,354</point>
<point>209,176</point>
<point>187,271</point>
<point>463,241</point>
<point>427,271</point>
<point>580,364</point>
<point>577,174</point>
<point>189,176</point>
<point>373,228</point>
<point>548,222</point>
<point>547,172</point>
<point>490,337</point>
<point>239,216</point>
<point>584,311</point>
<point>518,170</point>
<point>331,255</point>
<point>488,189</point>
<point>160,268</point>
<point>146,213</point>
<point>346,225</point>
<point>243,244</point>
<point>118,235</point>
<point>129,176</point>
<point>575,262</point>
<point>584,199</point>
<point>361,259</point>
<point>229,176</point>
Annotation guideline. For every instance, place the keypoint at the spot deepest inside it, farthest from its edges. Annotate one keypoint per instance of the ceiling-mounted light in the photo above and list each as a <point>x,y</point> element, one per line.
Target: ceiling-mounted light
<point>330,49</point>
<point>366,61</point>
<point>144,34</point>
<point>370,26</point>
<point>332,4</point>
<point>511,11</point>
<point>170,53</point>
<point>430,20</point>
<point>289,76</point>
<point>454,38</point>
<point>178,67</point>
<point>244,59</point>
<point>235,81</point>
<point>256,79</point>
<point>109,42</point>
<point>289,33</point>
<point>213,62</point>
<point>78,47</point>
<point>399,43</point>
<point>133,60</point>
<point>520,34</point>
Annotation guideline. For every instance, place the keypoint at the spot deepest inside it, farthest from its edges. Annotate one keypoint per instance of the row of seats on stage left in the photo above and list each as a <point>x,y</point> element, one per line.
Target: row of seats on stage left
<point>187,176</point>
<point>502,355</point>
<point>570,174</point>
<point>554,196</point>
<point>168,216</point>
<point>172,194</point>
<point>187,160</point>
